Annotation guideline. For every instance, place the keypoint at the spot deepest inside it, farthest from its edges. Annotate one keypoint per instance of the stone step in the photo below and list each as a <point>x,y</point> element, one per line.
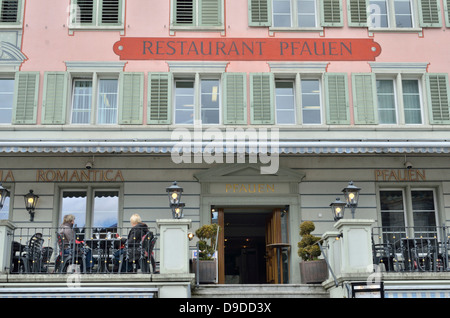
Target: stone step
<point>260,291</point>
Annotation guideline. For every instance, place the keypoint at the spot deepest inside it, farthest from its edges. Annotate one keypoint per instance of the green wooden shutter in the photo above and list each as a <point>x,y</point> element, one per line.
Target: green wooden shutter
<point>357,13</point>
<point>447,12</point>
<point>183,12</point>
<point>262,98</point>
<point>364,98</point>
<point>159,98</point>
<point>235,98</point>
<point>25,97</point>
<point>259,12</point>
<point>336,91</point>
<point>131,92</point>
<point>430,13</point>
<point>331,13</point>
<point>438,98</point>
<point>210,12</point>
<point>110,12</point>
<point>54,102</point>
<point>83,12</point>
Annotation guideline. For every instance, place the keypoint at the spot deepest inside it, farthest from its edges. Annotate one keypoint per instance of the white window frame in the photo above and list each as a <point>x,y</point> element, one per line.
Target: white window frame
<point>294,95</point>
<point>7,77</point>
<point>321,92</point>
<point>421,99</point>
<point>396,101</point>
<point>391,18</point>
<point>95,78</point>
<point>294,18</point>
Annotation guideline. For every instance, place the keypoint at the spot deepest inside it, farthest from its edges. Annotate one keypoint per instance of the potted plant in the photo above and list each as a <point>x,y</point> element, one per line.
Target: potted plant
<point>312,269</point>
<point>207,235</point>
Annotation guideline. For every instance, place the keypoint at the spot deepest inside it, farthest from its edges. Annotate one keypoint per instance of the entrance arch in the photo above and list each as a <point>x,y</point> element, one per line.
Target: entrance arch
<point>243,186</point>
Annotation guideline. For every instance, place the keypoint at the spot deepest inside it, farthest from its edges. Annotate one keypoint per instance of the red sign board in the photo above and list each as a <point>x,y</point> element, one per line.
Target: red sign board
<point>247,49</point>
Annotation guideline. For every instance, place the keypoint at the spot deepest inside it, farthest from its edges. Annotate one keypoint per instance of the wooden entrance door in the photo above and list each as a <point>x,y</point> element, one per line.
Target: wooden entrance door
<point>277,248</point>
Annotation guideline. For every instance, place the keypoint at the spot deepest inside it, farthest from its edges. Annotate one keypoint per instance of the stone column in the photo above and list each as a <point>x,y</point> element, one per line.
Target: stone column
<point>6,232</point>
<point>333,247</point>
<point>356,245</point>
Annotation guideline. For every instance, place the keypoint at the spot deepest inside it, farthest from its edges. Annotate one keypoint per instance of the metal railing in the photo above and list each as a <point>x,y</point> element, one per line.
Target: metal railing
<point>94,250</point>
<point>411,249</point>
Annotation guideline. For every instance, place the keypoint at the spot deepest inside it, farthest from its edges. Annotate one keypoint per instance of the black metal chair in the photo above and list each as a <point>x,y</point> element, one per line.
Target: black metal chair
<point>148,244</point>
<point>32,257</point>
<point>68,254</point>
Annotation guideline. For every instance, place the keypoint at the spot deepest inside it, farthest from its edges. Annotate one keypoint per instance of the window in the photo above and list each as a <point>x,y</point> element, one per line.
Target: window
<point>203,14</point>
<point>401,16</point>
<point>386,102</point>
<point>103,214</point>
<point>423,213</point>
<point>10,12</point>
<point>4,212</point>
<point>6,100</point>
<point>97,14</point>
<point>412,102</point>
<point>107,101</point>
<point>311,109</point>
<point>285,102</point>
<point>208,110</point>
<point>294,13</point>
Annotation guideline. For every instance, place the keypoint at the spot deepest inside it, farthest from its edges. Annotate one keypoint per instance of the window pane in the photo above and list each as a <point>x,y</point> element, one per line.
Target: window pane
<point>378,14</point>
<point>386,102</point>
<point>281,13</point>
<point>306,10</point>
<point>106,209</point>
<point>392,208</point>
<point>210,101</point>
<point>82,102</point>
<point>411,101</point>
<point>311,101</point>
<point>4,212</point>
<point>107,101</point>
<point>6,100</point>
<point>74,202</point>
<point>285,102</point>
<point>184,102</point>
<point>403,13</point>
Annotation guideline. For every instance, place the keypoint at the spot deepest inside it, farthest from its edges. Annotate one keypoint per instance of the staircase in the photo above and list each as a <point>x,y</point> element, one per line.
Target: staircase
<point>260,291</point>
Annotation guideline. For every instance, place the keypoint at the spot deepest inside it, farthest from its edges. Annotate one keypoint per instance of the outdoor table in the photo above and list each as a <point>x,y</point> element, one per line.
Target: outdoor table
<point>105,247</point>
<point>419,250</point>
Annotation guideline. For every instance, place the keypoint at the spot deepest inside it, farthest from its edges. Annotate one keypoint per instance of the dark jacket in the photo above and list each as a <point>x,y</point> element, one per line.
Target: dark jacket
<point>137,232</point>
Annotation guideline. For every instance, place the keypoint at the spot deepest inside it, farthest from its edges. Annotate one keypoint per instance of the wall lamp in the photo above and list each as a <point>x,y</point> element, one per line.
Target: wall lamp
<point>174,192</point>
<point>31,200</point>
<point>3,195</point>
<point>351,194</point>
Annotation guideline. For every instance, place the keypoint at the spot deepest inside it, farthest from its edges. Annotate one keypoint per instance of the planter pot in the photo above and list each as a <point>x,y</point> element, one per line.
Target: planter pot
<point>313,272</point>
<point>207,270</point>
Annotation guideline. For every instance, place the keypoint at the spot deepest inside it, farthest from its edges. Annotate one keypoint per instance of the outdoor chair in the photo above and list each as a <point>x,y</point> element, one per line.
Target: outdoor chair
<point>74,255</point>
<point>32,256</point>
<point>148,244</point>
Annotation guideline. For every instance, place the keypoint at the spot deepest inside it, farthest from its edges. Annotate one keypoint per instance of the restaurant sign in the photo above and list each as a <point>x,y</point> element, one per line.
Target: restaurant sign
<point>247,49</point>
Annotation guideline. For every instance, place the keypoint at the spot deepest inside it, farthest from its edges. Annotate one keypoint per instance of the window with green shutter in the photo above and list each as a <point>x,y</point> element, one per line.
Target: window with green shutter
<point>99,14</point>
<point>235,98</point>
<point>438,98</point>
<point>25,97</point>
<point>54,100</point>
<point>159,98</point>
<point>131,93</point>
<point>11,12</point>
<point>337,99</point>
<point>332,13</point>
<point>197,13</point>
<point>447,12</point>
<point>364,98</point>
<point>259,12</point>
<point>262,98</point>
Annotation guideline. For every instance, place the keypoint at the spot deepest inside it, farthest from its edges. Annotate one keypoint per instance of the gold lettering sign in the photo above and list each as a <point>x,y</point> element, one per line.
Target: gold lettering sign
<point>400,175</point>
<point>6,176</point>
<point>249,188</point>
<point>78,175</point>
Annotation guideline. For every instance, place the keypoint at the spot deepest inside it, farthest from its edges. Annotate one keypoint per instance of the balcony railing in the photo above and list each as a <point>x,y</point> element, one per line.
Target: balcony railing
<point>94,250</point>
<point>411,249</point>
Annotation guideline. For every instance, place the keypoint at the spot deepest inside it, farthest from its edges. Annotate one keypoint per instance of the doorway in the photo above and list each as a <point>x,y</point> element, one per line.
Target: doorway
<point>246,246</point>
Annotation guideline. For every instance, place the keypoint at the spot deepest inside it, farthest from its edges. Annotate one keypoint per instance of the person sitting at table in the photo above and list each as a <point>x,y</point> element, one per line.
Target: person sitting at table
<point>68,235</point>
<point>137,232</point>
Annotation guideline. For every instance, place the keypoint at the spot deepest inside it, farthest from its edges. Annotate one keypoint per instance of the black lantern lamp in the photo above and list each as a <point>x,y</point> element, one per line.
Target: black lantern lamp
<point>3,195</point>
<point>337,209</point>
<point>174,192</point>
<point>31,200</point>
<point>351,194</point>
<point>177,210</point>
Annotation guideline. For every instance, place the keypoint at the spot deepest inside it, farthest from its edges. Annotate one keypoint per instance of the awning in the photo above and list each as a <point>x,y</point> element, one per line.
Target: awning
<point>78,292</point>
<point>281,147</point>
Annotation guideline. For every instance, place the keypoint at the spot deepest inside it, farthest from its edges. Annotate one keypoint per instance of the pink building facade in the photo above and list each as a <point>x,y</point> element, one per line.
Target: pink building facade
<point>345,89</point>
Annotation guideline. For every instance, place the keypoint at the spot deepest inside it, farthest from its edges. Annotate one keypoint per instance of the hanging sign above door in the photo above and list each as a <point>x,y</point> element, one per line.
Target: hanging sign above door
<point>247,49</point>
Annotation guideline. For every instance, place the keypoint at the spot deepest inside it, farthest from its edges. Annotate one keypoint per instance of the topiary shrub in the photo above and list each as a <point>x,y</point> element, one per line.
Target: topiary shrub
<point>308,250</point>
<point>207,240</point>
